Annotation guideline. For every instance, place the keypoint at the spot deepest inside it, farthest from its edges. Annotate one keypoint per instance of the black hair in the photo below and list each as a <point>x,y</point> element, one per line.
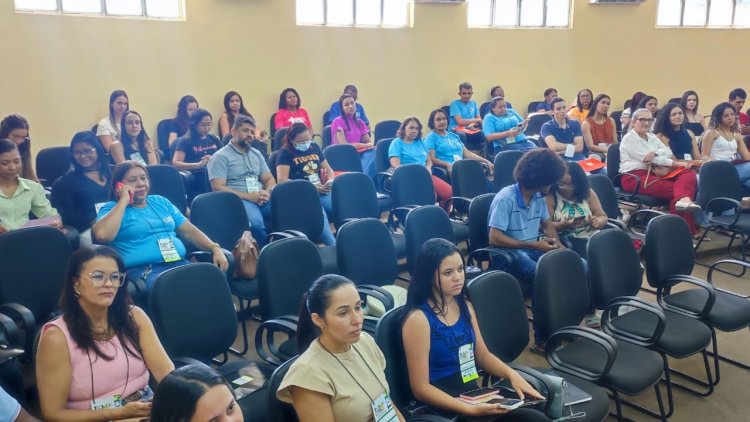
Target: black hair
<point>644,100</point>
<point>315,301</point>
<point>291,133</point>
<point>493,103</point>
<point>549,91</point>
<point>243,111</point>
<point>538,168</point>
<point>578,99</point>
<point>595,104</point>
<point>427,273</point>
<point>282,98</point>
<point>112,98</point>
<point>717,114</point>
<point>7,146</point>
<point>402,129</point>
<point>9,124</point>
<point>494,88</point>
<point>555,101</point>
<point>737,92</point>
<point>343,115</point>
<point>578,179</point>
<point>662,124</point>
<point>195,120</point>
<point>433,114</point>
<point>142,137</point>
<point>684,98</point>
<point>118,174</point>
<point>464,85</point>
<point>88,137</point>
<point>182,120</point>
<point>635,100</point>
<point>177,394</point>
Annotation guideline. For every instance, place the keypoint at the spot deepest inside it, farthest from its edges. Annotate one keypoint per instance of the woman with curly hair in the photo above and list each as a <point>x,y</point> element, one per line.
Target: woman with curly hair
<point>722,141</point>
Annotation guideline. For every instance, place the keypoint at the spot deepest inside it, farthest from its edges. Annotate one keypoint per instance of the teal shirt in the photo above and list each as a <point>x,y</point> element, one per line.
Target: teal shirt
<point>448,147</point>
<point>414,153</point>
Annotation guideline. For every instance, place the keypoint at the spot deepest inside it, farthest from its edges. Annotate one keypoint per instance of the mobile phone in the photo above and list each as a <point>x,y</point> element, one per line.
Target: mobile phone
<point>519,126</point>
<point>579,219</point>
<point>478,393</point>
<point>509,404</point>
<point>119,186</point>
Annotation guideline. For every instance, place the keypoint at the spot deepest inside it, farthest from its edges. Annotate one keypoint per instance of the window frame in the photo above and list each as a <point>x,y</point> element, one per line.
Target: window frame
<point>103,3</point>
<point>706,25</point>
<point>354,24</point>
<point>517,24</point>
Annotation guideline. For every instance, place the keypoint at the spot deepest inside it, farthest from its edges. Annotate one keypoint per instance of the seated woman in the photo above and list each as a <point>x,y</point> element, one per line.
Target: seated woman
<point>143,228</point>
<point>301,158</point>
<point>723,141</point>
<point>495,91</point>
<point>563,135</point>
<point>670,129</point>
<point>339,373</point>
<point>108,130</point>
<point>181,123</point>
<point>82,191</point>
<point>693,119</point>
<point>195,393</point>
<point>93,363</point>
<point>19,196</point>
<point>580,110</point>
<point>445,147</point>
<point>644,155</point>
<point>348,128</point>
<point>290,110</point>
<point>443,344</point>
<point>15,128</point>
<point>409,148</point>
<point>335,110</point>
<point>233,107</point>
<point>134,143</point>
<point>599,130</point>
<point>194,149</point>
<point>504,128</point>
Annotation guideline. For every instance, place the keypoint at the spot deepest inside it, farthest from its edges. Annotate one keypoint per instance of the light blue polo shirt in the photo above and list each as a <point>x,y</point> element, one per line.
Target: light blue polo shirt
<point>509,214</point>
<point>9,407</point>
<point>467,110</point>
<point>414,153</point>
<point>447,147</point>
<point>495,124</point>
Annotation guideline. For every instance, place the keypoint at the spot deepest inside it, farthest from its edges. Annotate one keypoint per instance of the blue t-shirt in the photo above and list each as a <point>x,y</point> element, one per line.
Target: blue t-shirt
<point>543,106</point>
<point>564,135</point>
<point>9,407</point>
<point>467,110</point>
<point>447,147</point>
<point>141,228</point>
<point>494,124</point>
<point>509,213</point>
<point>445,341</point>
<point>335,112</point>
<point>414,153</point>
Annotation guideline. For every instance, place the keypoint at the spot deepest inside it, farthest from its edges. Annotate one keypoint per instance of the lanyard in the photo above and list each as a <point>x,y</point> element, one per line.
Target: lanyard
<point>127,373</point>
<point>350,374</point>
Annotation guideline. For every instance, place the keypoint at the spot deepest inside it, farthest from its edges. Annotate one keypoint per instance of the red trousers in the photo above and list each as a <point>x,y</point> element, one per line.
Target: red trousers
<point>683,185</point>
<point>443,190</point>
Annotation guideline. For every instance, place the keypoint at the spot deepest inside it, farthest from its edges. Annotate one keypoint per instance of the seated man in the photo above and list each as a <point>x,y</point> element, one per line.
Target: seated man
<point>563,135</point>
<point>737,98</point>
<point>546,105</point>
<point>11,410</point>
<point>465,118</point>
<point>241,169</point>
<point>335,110</point>
<point>520,210</point>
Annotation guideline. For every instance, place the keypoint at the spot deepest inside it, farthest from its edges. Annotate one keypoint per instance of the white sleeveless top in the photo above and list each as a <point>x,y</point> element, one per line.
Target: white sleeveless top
<point>722,149</point>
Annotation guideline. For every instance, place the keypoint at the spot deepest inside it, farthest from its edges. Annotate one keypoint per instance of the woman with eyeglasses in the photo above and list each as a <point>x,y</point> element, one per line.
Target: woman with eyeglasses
<point>15,128</point>
<point>93,362</point>
<point>193,151</point>
<point>84,189</point>
<point>580,111</point>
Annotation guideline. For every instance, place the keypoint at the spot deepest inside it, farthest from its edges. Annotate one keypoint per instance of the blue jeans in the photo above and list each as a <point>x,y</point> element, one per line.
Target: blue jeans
<point>743,170</point>
<point>368,163</point>
<point>149,274</point>
<point>256,216</point>
<point>326,201</point>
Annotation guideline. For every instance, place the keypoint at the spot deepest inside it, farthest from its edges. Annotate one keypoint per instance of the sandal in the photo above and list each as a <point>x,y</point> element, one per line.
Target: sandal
<point>687,206</point>
<point>538,349</point>
<point>593,321</point>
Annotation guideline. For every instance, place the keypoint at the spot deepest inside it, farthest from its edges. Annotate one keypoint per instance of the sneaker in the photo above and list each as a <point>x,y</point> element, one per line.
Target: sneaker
<point>593,321</point>
<point>688,206</point>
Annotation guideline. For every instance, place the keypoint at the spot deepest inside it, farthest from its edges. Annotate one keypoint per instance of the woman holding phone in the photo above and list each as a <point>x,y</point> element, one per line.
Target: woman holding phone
<point>504,128</point>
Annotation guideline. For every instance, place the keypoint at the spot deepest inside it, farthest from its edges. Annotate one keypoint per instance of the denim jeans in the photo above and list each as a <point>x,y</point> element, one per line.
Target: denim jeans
<point>256,216</point>
<point>743,170</point>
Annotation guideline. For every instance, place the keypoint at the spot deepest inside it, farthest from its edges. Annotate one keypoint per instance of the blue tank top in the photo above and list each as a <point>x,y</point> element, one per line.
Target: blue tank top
<point>446,340</point>
<point>681,144</point>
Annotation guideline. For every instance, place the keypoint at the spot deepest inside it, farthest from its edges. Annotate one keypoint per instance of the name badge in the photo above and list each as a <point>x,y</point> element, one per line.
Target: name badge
<point>314,178</point>
<point>570,150</point>
<point>252,184</point>
<point>383,409</point>
<point>168,250</point>
<point>136,156</point>
<point>98,206</point>
<point>107,402</point>
<point>510,140</point>
<point>688,157</point>
<point>466,362</point>
<point>456,157</point>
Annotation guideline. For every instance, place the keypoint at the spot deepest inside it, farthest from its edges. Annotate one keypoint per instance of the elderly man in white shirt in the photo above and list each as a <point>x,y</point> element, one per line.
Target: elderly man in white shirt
<point>639,150</point>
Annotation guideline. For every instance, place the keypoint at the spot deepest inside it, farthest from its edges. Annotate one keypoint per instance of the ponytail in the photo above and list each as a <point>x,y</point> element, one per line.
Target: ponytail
<point>307,332</point>
<point>316,300</point>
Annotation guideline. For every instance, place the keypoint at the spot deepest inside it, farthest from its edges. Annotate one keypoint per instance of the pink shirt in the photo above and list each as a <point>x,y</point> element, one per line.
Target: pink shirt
<point>286,118</point>
<point>109,376</point>
<point>354,134</point>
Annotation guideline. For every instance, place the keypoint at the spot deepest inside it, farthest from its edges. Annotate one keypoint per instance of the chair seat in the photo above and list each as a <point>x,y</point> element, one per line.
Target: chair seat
<point>385,203</point>
<point>650,201</point>
<point>729,313</point>
<point>460,231</point>
<point>399,244</point>
<point>244,288</point>
<point>288,348</point>
<point>683,336</point>
<point>634,370</point>
<point>743,224</point>
<point>597,408</point>
<point>259,371</point>
<point>328,258</point>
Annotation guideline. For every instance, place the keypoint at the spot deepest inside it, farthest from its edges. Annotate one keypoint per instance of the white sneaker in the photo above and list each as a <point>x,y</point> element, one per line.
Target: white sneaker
<point>687,206</point>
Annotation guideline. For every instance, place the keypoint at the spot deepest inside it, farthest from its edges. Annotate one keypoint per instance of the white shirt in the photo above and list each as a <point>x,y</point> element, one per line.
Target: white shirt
<point>105,128</point>
<point>633,148</point>
<point>722,149</point>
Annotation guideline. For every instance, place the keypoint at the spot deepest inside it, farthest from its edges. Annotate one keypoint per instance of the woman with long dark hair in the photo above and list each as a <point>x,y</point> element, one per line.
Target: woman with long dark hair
<point>15,128</point>
<point>723,141</point>
<point>93,362</point>
<point>599,130</point>
<point>108,130</point>
<point>693,119</point>
<point>443,343</point>
<point>670,128</point>
<point>290,110</point>
<point>339,375</point>
<point>445,147</point>
<point>580,111</point>
<point>181,123</point>
<point>134,143</point>
<point>193,150</point>
<point>233,107</point>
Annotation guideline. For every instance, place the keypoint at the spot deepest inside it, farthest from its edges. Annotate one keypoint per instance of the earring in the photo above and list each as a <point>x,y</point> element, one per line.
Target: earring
<point>77,293</point>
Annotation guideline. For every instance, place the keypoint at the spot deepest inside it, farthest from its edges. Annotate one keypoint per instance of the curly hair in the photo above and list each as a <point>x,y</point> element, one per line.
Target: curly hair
<point>578,179</point>
<point>538,168</point>
<point>718,112</point>
<point>663,125</point>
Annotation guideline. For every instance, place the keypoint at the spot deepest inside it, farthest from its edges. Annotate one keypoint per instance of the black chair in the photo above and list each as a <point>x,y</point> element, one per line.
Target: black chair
<point>669,258</point>
<point>273,161</point>
<point>615,115</point>
<point>296,206</point>
<point>496,296</point>
<point>162,138</point>
<point>468,179</point>
<point>343,157</point>
<point>33,270</point>
<point>605,191</point>
<point>561,302</point>
<point>278,138</point>
<point>386,129</point>
<point>505,164</point>
<point>534,128</point>
<point>326,118</point>
<point>277,410</point>
<point>484,108</point>
<point>327,136</point>
<point>615,277</point>
<point>166,181</point>
<point>221,216</point>
<point>383,164</point>
<point>52,163</point>
<point>633,198</point>
<point>422,224</point>
<point>272,125</point>
<point>531,108</point>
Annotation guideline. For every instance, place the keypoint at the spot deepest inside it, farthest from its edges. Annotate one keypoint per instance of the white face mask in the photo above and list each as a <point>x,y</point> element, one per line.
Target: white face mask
<point>304,146</point>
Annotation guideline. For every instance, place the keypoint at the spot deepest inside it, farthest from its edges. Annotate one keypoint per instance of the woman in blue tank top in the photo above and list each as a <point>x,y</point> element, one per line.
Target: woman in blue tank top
<point>444,347</point>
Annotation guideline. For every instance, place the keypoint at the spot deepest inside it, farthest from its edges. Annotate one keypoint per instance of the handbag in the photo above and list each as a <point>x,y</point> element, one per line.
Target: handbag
<point>246,253</point>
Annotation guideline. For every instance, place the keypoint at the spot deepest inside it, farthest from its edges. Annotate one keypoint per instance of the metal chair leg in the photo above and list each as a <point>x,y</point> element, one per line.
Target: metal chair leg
<point>243,324</point>
<point>707,384</point>
<point>661,415</point>
<point>716,355</point>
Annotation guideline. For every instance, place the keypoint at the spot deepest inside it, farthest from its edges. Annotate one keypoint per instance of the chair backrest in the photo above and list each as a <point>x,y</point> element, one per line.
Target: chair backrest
<point>496,296</point>
<point>468,179</point>
<point>386,129</point>
<point>505,164</point>
<point>327,136</point>
<point>613,163</point>
<point>166,181</point>
<point>369,235</point>
<point>23,280</point>
<point>412,185</point>
<point>343,157</point>
<point>273,161</point>
<point>221,216</point>
<point>192,311</point>
<point>277,410</point>
<point>286,269</point>
<point>422,224</point>
<point>718,179</point>
<point>562,292</point>
<point>606,193</point>
<point>389,340</point>
<point>668,249</point>
<point>353,195</point>
<point>447,109</point>
<point>531,108</point>
<point>484,108</point>
<point>479,211</point>
<point>535,124</point>
<point>382,163</point>
<point>52,163</point>
<point>326,118</point>
<point>615,115</point>
<point>295,205</point>
<point>272,125</point>
<point>278,138</point>
<point>162,137</point>
<point>613,266</point>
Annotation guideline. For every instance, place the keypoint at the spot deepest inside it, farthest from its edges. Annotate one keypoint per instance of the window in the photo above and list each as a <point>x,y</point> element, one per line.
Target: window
<point>704,13</point>
<point>519,13</point>
<point>372,13</point>
<point>159,9</point>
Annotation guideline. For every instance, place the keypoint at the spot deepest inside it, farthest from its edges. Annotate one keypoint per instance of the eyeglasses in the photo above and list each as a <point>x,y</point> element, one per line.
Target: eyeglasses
<point>645,120</point>
<point>99,279</point>
<point>88,152</point>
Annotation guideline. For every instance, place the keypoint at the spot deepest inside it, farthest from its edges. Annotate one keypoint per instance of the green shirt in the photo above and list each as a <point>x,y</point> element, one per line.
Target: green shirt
<point>28,197</point>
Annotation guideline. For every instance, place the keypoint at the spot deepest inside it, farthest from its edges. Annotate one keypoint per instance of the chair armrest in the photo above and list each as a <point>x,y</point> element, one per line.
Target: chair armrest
<point>460,208</point>
<point>632,301</point>
<point>663,292</point>
<point>378,293</point>
<point>381,180</point>
<point>269,328</point>
<point>716,264</point>
<point>206,256</point>
<point>629,195</point>
<point>184,361</point>
<point>538,380</point>
<point>604,341</point>
<point>23,319</point>
<point>736,205</point>
<point>397,216</point>
<point>617,224</point>
<point>284,234</point>
<point>478,255</point>
<point>9,334</point>
<point>639,216</point>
